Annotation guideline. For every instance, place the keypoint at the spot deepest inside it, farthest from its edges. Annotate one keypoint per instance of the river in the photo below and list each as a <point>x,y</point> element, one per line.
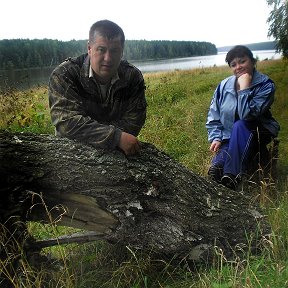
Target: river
<point>28,78</point>
<point>197,62</point>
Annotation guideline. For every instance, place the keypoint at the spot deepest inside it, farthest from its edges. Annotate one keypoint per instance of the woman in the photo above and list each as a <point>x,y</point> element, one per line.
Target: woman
<point>239,117</point>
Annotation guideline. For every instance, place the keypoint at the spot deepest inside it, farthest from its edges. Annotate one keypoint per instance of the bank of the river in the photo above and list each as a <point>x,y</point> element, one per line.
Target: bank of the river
<point>177,109</point>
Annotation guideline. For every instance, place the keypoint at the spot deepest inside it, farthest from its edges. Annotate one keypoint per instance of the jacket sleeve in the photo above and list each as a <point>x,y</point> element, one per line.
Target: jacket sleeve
<point>134,116</point>
<point>255,101</point>
<point>69,117</point>
<point>213,124</point>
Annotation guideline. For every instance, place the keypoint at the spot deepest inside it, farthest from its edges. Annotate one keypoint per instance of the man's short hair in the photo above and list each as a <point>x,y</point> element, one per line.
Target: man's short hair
<point>107,29</point>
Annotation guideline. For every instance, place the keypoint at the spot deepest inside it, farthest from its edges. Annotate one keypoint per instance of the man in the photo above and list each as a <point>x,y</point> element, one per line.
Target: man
<point>97,98</point>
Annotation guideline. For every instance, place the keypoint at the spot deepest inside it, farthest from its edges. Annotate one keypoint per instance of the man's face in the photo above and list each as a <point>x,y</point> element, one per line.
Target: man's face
<point>105,56</point>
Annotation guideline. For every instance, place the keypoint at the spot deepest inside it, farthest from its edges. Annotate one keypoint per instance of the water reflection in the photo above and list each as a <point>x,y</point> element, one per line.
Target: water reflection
<point>24,78</point>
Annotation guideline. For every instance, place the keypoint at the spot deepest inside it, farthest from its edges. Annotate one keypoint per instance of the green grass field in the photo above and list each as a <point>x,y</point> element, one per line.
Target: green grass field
<point>178,102</point>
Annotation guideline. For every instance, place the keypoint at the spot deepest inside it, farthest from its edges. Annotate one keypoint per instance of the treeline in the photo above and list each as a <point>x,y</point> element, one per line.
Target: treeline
<point>269,45</point>
<point>26,53</point>
<point>161,49</point>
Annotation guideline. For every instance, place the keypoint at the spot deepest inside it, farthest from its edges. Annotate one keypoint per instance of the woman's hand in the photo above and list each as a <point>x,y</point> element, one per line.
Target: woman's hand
<point>215,146</point>
<point>244,81</point>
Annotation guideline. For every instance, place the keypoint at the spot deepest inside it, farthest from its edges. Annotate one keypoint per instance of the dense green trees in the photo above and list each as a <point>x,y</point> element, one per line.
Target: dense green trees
<point>269,45</point>
<point>25,53</point>
<point>278,20</point>
<point>143,50</point>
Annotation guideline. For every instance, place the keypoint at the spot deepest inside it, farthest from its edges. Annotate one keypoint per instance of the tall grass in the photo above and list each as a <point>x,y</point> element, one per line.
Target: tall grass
<point>178,102</point>
<point>25,110</point>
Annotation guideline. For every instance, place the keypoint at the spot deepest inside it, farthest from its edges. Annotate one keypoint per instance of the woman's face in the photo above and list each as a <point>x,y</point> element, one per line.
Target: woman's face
<point>242,65</point>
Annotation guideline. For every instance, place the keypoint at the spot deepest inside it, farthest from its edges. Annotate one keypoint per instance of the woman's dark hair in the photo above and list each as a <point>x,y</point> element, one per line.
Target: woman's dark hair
<point>107,29</point>
<point>238,52</point>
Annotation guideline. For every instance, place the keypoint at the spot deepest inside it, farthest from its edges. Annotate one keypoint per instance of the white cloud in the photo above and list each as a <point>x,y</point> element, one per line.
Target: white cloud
<point>222,22</point>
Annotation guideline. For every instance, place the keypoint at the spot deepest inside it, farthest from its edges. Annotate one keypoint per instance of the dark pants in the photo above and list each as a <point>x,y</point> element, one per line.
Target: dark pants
<point>247,139</point>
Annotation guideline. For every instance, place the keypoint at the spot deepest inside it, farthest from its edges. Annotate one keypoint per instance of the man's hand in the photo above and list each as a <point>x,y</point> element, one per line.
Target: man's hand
<point>215,146</point>
<point>129,144</point>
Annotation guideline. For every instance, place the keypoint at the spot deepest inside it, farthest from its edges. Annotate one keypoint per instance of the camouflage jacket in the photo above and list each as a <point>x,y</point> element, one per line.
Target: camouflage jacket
<point>80,111</point>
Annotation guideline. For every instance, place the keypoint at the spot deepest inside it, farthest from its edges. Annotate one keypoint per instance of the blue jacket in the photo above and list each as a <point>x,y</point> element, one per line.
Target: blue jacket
<point>252,104</point>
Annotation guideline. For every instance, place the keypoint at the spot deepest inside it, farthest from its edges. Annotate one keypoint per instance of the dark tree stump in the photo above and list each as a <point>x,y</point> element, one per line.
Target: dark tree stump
<point>148,201</point>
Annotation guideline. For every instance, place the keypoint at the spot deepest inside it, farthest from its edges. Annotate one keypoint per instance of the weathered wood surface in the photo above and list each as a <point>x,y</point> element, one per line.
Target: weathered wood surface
<point>148,201</point>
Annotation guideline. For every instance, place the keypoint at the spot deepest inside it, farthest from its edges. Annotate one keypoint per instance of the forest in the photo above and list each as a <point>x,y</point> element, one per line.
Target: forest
<point>26,53</point>
<point>269,45</point>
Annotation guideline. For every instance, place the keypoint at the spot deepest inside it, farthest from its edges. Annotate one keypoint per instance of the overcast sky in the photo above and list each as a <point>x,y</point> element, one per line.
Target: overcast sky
<point>221,22</point>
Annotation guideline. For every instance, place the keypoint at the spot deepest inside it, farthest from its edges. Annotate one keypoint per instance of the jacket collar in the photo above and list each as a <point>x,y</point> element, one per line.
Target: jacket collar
<point>91,75</point>
<point>256,79</point>
<point>89,82</point>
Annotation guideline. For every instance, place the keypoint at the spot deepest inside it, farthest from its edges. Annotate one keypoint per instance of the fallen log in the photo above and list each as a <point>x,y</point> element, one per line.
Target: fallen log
<point>148,201</point>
